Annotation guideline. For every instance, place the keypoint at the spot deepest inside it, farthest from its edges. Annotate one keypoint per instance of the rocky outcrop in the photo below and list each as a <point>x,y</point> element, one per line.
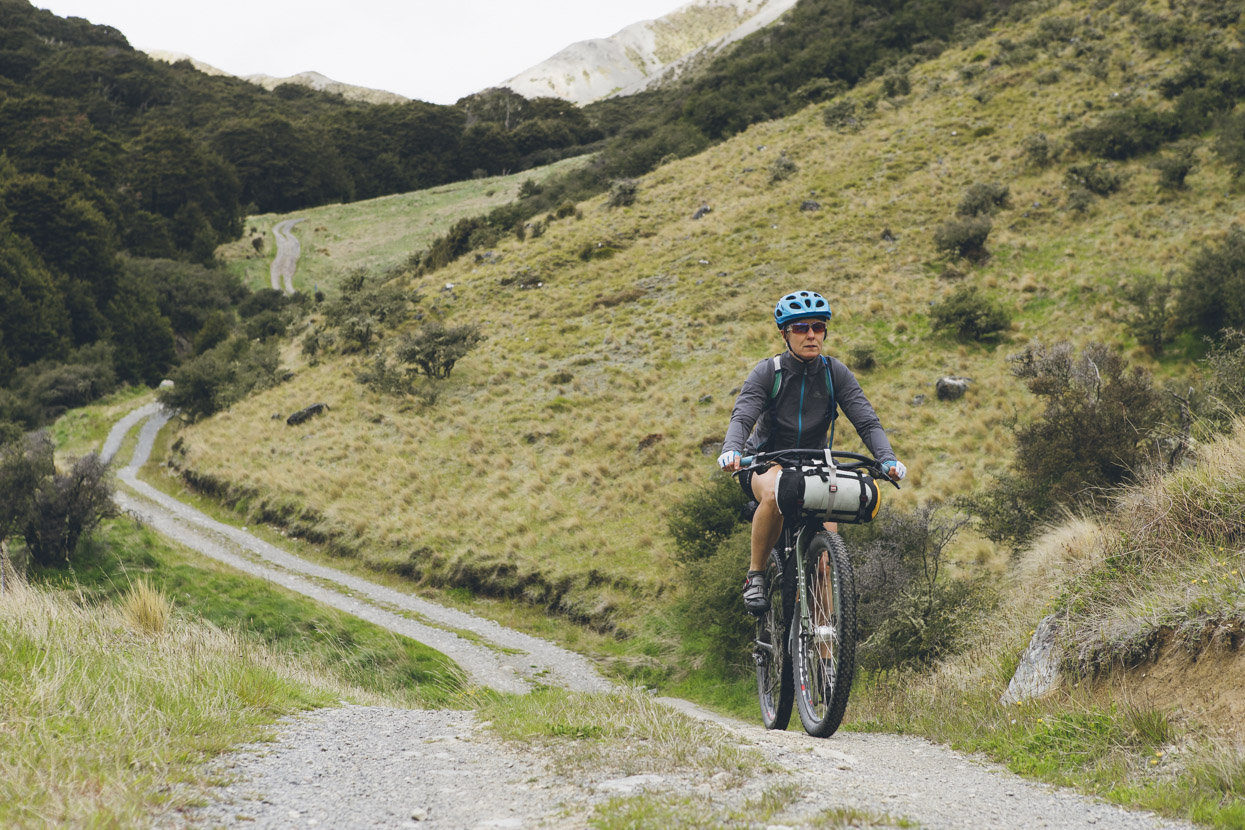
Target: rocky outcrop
<point>312,80</point>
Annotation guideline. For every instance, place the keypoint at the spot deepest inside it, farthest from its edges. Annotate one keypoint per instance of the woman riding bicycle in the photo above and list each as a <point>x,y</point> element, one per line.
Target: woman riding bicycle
<point>790,402</point>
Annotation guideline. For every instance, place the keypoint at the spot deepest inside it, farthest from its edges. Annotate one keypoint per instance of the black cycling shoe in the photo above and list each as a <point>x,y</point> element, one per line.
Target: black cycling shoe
<point>755,599</point>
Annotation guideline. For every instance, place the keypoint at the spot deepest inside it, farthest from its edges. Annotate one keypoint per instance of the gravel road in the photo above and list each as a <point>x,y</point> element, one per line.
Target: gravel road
<point>286,260</point>
<point>375,767</point>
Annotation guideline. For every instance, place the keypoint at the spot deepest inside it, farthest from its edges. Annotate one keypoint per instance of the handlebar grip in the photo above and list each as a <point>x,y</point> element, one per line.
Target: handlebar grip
<point>747,460</point>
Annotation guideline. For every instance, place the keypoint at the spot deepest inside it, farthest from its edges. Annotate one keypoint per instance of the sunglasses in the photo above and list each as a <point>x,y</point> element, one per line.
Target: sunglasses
<point>817,327</point>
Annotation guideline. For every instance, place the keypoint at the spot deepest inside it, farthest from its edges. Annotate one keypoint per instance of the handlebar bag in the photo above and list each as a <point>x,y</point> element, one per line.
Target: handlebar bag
<point>827,494</point>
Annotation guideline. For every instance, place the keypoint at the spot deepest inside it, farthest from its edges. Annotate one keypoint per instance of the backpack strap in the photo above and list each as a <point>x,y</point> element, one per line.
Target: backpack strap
<point>773,392</point>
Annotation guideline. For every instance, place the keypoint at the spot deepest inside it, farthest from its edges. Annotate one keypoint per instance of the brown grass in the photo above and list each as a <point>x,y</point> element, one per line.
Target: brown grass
<point>511,481</point>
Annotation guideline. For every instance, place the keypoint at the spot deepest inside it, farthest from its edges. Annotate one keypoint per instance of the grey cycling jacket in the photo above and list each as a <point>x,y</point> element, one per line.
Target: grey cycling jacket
<point>801,415</point>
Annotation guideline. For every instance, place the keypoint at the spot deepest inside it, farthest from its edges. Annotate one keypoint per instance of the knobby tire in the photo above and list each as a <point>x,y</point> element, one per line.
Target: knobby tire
<point>775,686</point>
<point>824,659</point>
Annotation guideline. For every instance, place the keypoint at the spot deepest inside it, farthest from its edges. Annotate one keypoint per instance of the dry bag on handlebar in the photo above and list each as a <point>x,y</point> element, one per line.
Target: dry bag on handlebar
<point>828,494</point>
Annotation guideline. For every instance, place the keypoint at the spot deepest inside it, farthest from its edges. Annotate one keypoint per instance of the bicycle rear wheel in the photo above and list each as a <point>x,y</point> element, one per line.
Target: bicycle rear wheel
<point>824,658</point>
<point>775,687</point>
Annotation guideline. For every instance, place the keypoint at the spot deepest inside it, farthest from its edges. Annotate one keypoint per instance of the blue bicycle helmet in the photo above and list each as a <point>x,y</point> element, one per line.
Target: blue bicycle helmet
<point>800,305</point>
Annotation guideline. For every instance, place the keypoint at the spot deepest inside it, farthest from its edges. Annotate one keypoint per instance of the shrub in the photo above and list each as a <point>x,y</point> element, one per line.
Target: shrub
<point>382,376</point>
<point>964,237</point>
<point>1097,417</point>
<point>984,198</point>
<point>1037,149</point>
<point>909,611</point>
<point>1079,200</point>
<point>896,83</point>
<point>65,508</point>
<point>781,168</point>
<point>529,188</point>
<point>622,193</point>
<point>565,209</point>
<point>1225,380</point>
<point>863,358</point>
<point>220,377</point>
<point>970,314</point>
<point>841,115</point>
<point>1152,316</point>
<point>1230,144</point>
<point>24,463</point>
<point>1126,133</point>
<point>1212,286</point>
<point>1097,177</point>
<point>435,348</point>
<point>818,89</point>
<point>705,518</point>
<point>1174,168</point>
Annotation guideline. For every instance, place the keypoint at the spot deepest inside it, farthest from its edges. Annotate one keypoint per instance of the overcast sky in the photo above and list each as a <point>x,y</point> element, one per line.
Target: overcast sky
<point>433,50</point>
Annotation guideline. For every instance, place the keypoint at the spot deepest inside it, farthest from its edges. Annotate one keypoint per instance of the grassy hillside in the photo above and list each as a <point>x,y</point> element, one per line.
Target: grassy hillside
<point>544,468</point>
<point>378,234</point>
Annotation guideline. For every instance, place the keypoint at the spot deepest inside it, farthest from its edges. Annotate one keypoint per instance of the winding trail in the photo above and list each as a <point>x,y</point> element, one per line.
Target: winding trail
<point>286,260</point>
<point>360,766</point>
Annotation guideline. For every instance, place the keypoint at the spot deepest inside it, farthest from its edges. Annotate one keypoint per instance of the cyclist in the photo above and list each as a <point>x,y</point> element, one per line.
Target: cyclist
<point>790,402</point>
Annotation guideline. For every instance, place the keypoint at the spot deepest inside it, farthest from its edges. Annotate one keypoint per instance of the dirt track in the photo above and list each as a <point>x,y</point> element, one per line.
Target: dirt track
<point>286,261</point>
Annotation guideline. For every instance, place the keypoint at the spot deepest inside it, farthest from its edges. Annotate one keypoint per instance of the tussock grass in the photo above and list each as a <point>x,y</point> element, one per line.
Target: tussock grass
<point>628,730</point>
<point>146,608</point>
<point>1158,568</point>
<point>98,721</point>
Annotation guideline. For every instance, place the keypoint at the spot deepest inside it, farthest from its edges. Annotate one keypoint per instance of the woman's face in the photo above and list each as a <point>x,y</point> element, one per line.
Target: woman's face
<point>802,340</point>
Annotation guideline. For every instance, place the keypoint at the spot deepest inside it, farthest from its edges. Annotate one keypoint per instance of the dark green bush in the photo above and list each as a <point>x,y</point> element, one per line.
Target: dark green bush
<point>65,508</point>
<point>983,199</point>
<point>1037,149</point>
<point>1152,317</point>
<point>841,115</point>
<point>909,612</point>
<point>1093,434</point>
<point>25,462</point>
<point>1097,177</point>
<point>220,377</point>
<point>1225,380</point>
<point>969,314</point>
<point>1079,200</point>
<point>781,168</point>
<point>1127,133</point>
<point>1212,286</point>
<point>896,83</point>
<point>1174,168</point>
<point>705,518</point>
<point>964,237</point>
<point>435,347</point>
<point>714,624</point>
<point>1230,144</point>
<point>622,193</point>
<point>565,209</point>
<point>529,188</point>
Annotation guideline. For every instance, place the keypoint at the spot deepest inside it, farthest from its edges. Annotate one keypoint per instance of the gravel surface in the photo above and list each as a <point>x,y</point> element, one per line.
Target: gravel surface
<point>286,260</point>
<point>368,767</point>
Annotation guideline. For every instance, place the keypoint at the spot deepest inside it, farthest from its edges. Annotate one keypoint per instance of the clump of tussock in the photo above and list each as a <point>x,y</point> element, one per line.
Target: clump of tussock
<point>146,608</point>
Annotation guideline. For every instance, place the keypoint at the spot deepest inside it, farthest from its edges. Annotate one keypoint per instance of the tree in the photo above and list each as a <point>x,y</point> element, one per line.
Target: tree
<point>23,465</point>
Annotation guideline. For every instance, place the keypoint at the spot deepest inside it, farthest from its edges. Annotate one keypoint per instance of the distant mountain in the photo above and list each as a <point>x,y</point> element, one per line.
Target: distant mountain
<point>312,80</point>
<point>645,53</point>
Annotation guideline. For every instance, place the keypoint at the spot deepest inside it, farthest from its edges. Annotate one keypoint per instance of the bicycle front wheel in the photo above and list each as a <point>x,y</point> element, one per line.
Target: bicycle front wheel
<point>775,688</point>
<point>823,636</point>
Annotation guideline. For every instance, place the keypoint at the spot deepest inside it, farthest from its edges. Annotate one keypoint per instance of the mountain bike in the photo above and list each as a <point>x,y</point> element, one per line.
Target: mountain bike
<point>805,646</point>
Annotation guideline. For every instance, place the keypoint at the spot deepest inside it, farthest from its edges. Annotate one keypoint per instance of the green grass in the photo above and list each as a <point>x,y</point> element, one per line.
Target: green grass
<point>335,643</point>
<point>377,234</point>
<point>102,722</point>
<point>83,430</point>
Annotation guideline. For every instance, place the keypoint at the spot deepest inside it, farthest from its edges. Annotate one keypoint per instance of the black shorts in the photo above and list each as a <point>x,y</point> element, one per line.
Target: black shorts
<point>745,480</point>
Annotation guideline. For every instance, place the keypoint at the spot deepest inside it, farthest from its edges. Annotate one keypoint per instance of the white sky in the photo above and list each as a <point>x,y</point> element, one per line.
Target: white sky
<point>433,51</point>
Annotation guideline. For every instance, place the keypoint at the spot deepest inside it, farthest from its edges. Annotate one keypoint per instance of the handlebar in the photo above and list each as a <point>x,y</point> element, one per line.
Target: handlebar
<point>854,461</point>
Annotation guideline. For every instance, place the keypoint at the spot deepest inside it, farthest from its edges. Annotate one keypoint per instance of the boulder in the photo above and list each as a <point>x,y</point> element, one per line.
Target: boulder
<point>303,414</point>
<point>701,211</point>
<point>809,205</point>
<point>1038,672</point>
<point>951,388</point>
